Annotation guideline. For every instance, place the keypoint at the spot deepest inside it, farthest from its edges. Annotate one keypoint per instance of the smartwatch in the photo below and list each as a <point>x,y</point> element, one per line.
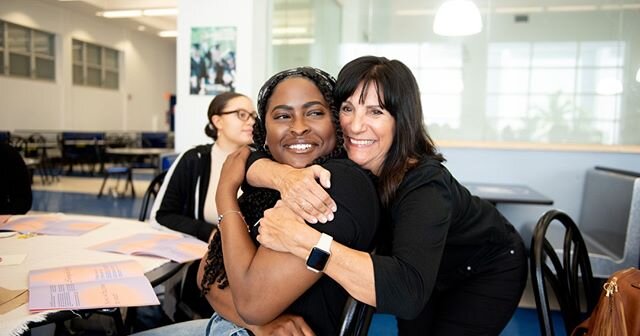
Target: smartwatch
<point>317,259</point>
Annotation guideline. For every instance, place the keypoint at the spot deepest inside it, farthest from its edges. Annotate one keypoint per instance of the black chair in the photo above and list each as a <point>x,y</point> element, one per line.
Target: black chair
<point>185,311</point>
<point>170,269</point>
<point>36,147</point>
<point>154,139</point>
<point>150,195</point>
<point>118,172</point>
<point>570,278</point>
<point>84,149</point>
<point>356,318</point>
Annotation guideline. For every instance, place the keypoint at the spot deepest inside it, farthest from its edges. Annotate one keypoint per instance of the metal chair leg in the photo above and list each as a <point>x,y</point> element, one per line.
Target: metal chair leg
<point>104,181</point>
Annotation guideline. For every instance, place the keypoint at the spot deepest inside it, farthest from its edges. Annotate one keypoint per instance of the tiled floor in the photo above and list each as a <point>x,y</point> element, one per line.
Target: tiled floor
<point>78,195</point>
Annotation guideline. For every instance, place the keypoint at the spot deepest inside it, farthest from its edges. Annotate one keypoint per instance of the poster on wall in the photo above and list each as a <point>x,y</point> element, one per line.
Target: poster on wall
<point>213,60</point>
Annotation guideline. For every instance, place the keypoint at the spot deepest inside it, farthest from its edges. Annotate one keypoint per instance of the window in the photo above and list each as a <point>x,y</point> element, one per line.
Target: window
<point>26,52</point>
<point>556,92</point>
<point>536,74</point>
<point>95,65</point>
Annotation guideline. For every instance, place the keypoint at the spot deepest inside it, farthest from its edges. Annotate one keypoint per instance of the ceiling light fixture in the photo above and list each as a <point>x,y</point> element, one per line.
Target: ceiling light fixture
<point>457,18</point>
<point>129,13</point>
<point>576,8</point>
<point>160,12</point>
<point>293,41</point>
<point>518,10</point>
<point>168,33</point>
<point>289,30</point>
<point>116,14</point>
<point>638,76</point>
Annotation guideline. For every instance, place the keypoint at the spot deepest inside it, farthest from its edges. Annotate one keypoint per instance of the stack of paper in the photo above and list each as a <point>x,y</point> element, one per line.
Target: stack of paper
<point>115,284</point>
<point>51,225</point>
<point>173,247</point>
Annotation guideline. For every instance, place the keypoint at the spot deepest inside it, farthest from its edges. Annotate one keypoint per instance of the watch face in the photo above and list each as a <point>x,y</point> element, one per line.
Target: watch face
<point>317,259</point>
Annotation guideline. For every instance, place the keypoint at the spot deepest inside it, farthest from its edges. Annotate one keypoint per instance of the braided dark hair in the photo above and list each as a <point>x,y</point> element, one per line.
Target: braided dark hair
<point>252,204</point>
<point>325,84</point>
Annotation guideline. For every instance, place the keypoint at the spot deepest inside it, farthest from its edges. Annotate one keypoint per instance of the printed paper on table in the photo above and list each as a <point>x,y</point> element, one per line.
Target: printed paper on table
<point>173,247</point>
<point>106,285</point>
<point>50,225</point>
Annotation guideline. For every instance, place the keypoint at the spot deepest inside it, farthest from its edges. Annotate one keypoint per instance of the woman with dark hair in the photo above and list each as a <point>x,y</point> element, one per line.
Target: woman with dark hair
<point>186,200</point>
<point>449,263</point>
<point>258,289</point>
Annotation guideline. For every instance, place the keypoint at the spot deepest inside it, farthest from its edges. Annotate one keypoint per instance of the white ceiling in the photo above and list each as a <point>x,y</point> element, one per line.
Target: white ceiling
<point>152,25</point>
<point>298,12</point>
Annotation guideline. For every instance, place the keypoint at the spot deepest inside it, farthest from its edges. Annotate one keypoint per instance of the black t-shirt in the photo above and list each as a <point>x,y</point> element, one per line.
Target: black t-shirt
<point>437,226</point>
<point>354,225</point>
<point>15,182</point>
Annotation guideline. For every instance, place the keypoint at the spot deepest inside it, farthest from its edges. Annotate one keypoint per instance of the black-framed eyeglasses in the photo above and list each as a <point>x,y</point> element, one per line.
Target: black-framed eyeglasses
<point>242,114</point>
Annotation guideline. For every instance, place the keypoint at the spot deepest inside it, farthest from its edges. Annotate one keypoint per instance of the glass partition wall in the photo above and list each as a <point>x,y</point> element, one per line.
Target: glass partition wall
<point>539,72</point>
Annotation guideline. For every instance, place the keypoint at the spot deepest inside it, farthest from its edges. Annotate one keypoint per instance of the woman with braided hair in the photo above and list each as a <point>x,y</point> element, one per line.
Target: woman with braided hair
<point>255,290</point>
<point>298,126</point>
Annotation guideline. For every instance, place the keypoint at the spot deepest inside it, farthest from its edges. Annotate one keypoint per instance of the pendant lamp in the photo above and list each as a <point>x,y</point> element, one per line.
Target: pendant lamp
<point>457,18</point>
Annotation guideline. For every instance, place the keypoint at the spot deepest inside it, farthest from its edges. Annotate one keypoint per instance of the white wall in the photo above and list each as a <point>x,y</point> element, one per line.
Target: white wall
<point>146,75</point>
<point>251,20</point>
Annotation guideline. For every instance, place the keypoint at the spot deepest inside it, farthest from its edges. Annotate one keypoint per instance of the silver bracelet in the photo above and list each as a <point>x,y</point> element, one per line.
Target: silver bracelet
<point>221,217</point>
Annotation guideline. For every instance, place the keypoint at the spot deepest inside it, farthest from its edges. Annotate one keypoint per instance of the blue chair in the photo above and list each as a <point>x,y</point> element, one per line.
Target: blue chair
<point>154,139</point>
<point>5,137</point>
<point>165,161</point>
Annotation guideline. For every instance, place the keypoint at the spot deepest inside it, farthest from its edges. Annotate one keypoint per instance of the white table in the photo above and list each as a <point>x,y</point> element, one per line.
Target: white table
<point>137,151</point>
<point>56,251</point>
<point>130,154</point>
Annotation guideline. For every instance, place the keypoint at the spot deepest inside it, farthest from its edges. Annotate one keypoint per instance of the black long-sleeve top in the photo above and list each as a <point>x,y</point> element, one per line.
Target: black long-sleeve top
<point>15,182</point>
<point>437,227</point>
<point>182,202</point>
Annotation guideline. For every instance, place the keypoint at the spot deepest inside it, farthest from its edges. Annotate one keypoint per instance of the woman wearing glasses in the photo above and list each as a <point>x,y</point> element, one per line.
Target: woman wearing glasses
<point>186,200</point>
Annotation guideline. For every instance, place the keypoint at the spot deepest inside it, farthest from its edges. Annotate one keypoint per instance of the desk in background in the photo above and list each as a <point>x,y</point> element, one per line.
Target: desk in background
<point>508,193</point>
<point>131,155</point>
<point>45,251</point>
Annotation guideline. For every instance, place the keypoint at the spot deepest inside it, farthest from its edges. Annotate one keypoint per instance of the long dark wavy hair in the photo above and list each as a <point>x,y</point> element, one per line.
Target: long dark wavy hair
<point>399,94</point>
<point>253,203</point>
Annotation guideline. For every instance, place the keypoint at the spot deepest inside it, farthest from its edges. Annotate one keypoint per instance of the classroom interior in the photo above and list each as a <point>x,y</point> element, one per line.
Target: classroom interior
<point>543,94</point>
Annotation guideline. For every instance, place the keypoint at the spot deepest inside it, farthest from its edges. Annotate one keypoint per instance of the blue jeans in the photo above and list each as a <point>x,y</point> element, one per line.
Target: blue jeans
<point>215,326</point>
<point>218,326</point>
<point>189,328</point>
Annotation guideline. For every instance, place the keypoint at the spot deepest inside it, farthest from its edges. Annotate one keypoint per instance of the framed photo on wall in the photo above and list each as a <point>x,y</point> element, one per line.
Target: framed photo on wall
<point>213,60</point>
